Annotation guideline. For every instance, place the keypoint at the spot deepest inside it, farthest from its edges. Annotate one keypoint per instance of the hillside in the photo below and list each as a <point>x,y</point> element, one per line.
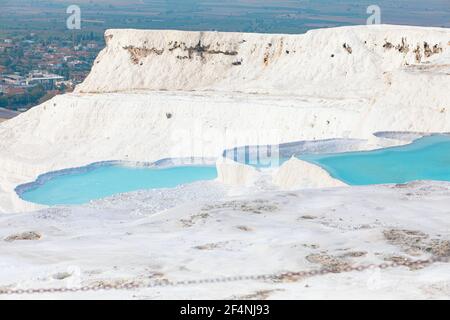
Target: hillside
<point>167,94</point>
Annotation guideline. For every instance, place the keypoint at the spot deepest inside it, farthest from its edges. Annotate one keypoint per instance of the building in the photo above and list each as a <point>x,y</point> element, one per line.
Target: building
<point>14,80</point>
<point>4,47</point>
<point>92,45</point>
<point>78,76</point>
<point>47,80</point>
<point>15,90</point>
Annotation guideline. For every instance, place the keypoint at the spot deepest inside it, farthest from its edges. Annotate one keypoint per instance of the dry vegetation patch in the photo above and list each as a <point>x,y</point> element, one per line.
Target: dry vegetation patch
<point>29,235</point>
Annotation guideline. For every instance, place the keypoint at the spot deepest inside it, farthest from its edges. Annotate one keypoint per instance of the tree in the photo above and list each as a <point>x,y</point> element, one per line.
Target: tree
<point>3,102</point>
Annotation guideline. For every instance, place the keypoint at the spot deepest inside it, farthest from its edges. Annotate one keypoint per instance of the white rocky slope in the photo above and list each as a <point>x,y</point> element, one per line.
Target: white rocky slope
<point>227,90</point>
<point>335,83</point>
<point>297,174</point>
<point>159,94</point>
<point>196,233</point>
<point>359,62</point>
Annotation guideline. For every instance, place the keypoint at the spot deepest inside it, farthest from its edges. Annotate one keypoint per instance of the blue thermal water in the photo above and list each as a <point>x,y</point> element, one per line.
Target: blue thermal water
<point>103,181</point>
<point>427,158</point>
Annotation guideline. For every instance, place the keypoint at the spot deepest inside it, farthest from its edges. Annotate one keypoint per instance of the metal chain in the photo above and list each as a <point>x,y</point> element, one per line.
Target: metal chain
<point>274,276</point>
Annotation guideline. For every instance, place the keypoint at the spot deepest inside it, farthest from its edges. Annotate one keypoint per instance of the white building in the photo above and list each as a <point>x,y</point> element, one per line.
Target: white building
<point>47,80</point>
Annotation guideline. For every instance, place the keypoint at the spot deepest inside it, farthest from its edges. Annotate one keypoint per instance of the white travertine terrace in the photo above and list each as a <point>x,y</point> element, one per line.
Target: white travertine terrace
<point>172,95</point>
<point>297,174</point>
<point>168,94</point>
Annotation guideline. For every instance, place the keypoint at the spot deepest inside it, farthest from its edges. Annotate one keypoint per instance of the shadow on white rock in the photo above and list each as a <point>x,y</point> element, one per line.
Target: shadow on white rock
<point>298,174</point>
<point>236,174</point>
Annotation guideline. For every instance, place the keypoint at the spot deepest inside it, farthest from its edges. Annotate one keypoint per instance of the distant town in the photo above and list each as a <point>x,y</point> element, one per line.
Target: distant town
<point>34,69</point>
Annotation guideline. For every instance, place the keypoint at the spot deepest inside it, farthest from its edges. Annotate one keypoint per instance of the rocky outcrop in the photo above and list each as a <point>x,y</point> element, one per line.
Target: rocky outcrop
<point>333,62</point>
<point>298,174</point>
<point>141,102</point>
<point>235,174</point>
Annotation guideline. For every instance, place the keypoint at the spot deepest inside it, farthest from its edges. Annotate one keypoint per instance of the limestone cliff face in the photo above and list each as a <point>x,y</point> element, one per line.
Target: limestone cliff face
<point>339,62</point>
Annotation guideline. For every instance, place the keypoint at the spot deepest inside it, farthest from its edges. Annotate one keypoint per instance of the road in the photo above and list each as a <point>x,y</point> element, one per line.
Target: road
<point>7,114</point>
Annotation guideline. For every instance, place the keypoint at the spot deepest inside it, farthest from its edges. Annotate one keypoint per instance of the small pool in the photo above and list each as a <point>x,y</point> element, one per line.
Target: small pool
<point>78,186</point>
<point>427,158</point>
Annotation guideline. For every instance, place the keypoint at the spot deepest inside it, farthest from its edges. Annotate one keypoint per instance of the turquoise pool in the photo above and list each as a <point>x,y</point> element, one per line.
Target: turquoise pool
<point>82,185</point>
<point>427,158</point>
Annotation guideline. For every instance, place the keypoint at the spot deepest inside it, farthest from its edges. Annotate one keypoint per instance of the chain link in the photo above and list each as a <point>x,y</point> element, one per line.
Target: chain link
<point>275,276</point>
